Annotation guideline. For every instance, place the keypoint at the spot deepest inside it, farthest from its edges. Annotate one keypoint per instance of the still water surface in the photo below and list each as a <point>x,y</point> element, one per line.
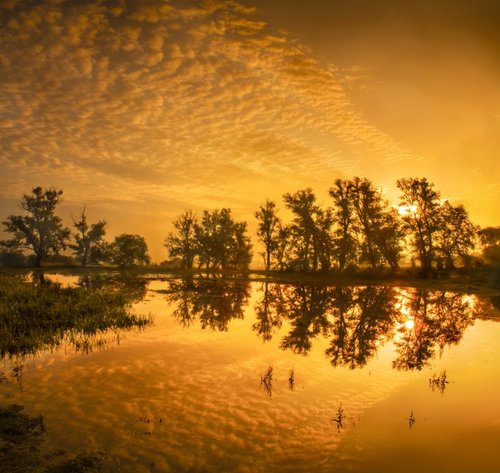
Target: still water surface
<point>255,377</point>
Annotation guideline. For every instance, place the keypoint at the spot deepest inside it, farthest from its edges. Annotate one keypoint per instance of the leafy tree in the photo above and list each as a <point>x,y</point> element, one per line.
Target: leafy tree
<point>489,238</point>
<point>89,246</point>
<point>128,250</point>
<point>377,224</point>
<point>268,229</point>
<point>344,235</point>
<point>309,229</point>
<point>183,243</point>
<point>456,235</point>
<point>40,231</point>
<point>421,218</point>
<point>221,242</point>
<point>284,245</point>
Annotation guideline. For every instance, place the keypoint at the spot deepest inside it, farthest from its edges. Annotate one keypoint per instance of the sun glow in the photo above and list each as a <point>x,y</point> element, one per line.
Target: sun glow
<point>407,209</point>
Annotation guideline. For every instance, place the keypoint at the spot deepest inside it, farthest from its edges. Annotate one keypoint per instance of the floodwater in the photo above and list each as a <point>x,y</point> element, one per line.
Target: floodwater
<point>254,377</point>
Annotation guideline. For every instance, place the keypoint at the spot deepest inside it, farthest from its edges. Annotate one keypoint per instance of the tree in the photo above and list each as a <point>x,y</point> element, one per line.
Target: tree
<point>456,235</point>
<point>221,242</point>
<point>345,242</point>
<point>89,246</point>
<point>183,244</point>
<point>40,230</point>
<point>284,245</point>
<point>489,238</point>
<point>128,250</point>
<point>268,229</point>
<point>377,224</point>
<point>421,218</point>
<point>309,229</point>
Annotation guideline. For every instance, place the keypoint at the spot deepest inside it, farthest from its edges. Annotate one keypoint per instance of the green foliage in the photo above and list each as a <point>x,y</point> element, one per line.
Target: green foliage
<point>40,230</point>
<point>128,250</point>
<point>35,317</point>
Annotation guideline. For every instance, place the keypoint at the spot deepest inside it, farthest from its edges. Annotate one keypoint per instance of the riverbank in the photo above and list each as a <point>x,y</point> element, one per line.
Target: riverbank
<point>484,281</point>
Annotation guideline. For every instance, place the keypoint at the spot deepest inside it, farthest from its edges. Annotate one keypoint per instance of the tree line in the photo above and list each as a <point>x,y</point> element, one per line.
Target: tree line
<point>358,228</point>
<point>42,232</point>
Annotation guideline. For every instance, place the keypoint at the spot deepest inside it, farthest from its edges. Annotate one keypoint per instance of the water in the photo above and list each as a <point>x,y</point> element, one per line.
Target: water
<point>362,379</point>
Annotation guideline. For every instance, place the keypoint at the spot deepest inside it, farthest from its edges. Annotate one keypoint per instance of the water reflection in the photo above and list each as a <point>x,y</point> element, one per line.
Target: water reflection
<point>356,321</point>
<point>44,315</point>
<point>213,302</point>
<point>436,319</point>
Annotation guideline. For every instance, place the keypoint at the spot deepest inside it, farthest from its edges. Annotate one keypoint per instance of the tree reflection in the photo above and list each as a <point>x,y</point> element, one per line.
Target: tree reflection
<point>363,319</point>
<point>133,288</point>
<point>356,320</point>
<point>359,320</point>
<point>214,302</point>
<point>429,321</point>
<point>268,311</point>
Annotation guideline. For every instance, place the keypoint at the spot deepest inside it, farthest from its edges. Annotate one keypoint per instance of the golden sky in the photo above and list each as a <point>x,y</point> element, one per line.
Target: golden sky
<point>141,109</point>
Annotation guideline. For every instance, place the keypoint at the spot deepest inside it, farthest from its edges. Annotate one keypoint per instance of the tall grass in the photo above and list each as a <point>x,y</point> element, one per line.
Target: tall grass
<point>36,317</point>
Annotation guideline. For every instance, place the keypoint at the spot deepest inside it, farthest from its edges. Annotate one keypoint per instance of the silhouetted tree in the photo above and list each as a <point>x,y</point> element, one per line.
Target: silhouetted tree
<point>377,225</point>
<point>89,246</point>
<point>438,319</point>
<point>221,242</point>
<point>344,235</point>
<point>489,238</point>
<point>284,245</point>
<point>40,231</point>
<point>456,235</point>
<point>213,302</point>
<point>128,250</point>
<point>363,320</point>
<point>183,244</point>
<point>306,307</point>
<point>268,311</point>
<point>421,218</point>
<point>310,230</point>
<point>268,229</point>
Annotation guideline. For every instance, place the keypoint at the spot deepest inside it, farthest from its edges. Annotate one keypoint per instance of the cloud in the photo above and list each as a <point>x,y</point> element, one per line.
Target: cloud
<point>173,397</point>
<point>133,95</point>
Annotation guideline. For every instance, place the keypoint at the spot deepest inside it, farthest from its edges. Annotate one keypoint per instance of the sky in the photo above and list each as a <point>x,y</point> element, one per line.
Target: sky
<point>140,109</point>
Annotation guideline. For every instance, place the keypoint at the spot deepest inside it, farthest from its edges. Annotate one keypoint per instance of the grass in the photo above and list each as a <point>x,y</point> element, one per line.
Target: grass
<point>21,448</point>
<point>266,380</point>
<point>35,317</point>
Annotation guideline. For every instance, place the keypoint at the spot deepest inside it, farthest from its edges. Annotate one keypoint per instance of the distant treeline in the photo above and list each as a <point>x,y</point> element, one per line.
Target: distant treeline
<point>359,228</point>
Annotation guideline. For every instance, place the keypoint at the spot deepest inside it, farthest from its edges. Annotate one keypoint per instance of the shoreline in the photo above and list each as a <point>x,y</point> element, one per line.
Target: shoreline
<point>480,282</point>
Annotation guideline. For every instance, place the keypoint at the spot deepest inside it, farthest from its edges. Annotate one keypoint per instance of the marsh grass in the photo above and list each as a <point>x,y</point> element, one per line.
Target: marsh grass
<point>35,317</point>
<point>339,418</point>
<point>439,382</point>
<point>21,448</point>
<point>266,380</point>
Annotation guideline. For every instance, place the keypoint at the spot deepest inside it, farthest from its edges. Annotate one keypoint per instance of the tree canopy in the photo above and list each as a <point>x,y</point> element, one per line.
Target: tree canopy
<point>40,230</point>
<point>128,250</point>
